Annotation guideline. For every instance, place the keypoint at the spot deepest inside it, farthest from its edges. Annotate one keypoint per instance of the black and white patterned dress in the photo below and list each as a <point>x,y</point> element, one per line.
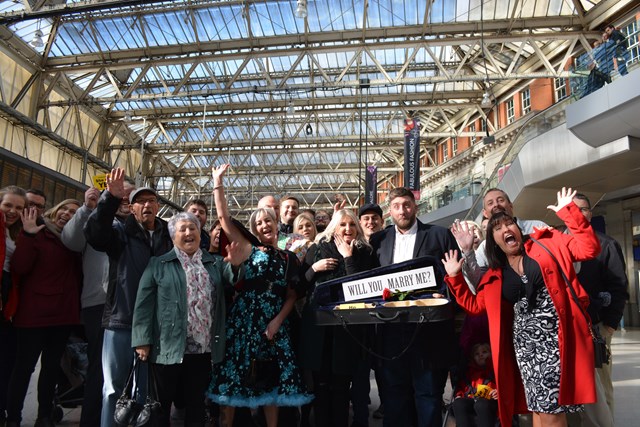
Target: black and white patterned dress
<point>535,338</point>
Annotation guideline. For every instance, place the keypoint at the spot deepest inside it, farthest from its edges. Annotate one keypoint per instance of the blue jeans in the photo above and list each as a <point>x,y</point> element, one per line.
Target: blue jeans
<point>622,65</point>
<point>408,386</point>
<point>117,360</point>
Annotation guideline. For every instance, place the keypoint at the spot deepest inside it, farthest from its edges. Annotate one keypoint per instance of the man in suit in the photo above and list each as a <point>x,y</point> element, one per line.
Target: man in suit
<point>419,375</point>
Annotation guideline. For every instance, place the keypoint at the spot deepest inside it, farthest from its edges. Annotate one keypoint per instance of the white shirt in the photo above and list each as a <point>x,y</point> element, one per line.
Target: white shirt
<point>405,243</point>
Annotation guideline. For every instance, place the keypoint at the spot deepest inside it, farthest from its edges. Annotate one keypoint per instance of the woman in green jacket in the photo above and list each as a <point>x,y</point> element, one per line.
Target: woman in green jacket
<point>179,317</point>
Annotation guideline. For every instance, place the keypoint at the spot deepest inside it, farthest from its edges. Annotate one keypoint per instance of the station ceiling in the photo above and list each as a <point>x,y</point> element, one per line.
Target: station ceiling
<point>297,105</point>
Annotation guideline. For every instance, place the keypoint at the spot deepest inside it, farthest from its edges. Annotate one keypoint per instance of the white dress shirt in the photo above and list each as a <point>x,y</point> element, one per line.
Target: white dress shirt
<point>405,243</point>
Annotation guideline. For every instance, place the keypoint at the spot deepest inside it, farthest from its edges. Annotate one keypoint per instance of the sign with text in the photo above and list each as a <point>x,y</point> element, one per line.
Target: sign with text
<point>372,287</point>
<point>100,182</point>
<point>412,155</point>
<point>371,185</point>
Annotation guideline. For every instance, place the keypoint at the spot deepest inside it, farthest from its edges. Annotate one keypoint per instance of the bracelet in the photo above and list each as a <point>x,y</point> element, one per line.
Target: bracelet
<point>217,186</point>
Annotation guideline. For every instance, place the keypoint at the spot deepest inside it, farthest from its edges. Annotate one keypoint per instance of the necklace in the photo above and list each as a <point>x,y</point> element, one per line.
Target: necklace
<point>518,268</point>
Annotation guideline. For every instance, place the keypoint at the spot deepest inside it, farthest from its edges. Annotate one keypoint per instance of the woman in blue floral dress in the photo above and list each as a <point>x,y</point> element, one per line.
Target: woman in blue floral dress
<point>257,331</point>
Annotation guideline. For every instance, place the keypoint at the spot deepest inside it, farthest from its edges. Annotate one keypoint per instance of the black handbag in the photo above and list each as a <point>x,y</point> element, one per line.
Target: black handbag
<point>263,373</point>
<point>601,352</point>
<point>129,412</point>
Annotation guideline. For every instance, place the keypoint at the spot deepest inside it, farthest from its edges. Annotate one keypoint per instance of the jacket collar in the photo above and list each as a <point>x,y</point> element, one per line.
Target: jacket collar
<point>172,256</point>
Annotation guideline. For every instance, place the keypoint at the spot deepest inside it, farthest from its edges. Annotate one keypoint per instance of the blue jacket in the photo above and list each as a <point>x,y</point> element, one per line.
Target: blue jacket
<point>129,249</point>
<point>160,315</point>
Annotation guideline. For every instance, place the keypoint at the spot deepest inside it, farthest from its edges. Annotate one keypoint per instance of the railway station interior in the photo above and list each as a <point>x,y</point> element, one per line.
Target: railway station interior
<point>306,97</point>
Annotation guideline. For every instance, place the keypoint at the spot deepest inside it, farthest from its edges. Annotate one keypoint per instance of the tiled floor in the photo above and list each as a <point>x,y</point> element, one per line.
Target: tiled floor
<point>626,374</point>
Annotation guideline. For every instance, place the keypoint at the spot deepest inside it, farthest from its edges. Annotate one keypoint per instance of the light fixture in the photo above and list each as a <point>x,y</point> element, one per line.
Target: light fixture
<point>36,41</point>
<point>308,129</point>
<point>291,110</point>
<point>301,10</point>
<point>127,116</point>
<point>486,101</point>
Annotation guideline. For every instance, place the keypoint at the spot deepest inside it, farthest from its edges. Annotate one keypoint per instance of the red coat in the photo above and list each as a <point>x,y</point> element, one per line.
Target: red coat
<point>49,278</point>
<point>576,346</point>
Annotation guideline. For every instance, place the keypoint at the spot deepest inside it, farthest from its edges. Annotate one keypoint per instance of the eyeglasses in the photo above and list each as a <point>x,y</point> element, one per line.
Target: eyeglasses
<point>36,205</point>
<point>145,201</point>
<point>321,217</point>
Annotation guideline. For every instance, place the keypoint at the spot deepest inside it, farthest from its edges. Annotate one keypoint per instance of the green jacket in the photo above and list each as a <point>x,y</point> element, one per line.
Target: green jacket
<point>160,314</point>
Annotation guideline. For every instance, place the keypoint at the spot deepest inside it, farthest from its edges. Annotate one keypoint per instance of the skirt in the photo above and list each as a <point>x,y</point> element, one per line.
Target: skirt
<point>535,340</point>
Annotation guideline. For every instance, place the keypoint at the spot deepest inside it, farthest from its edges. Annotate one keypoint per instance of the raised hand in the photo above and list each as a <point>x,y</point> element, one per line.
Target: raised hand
<point>115,183</point>
<point>464,235</point>
<point>29,217</point>
<point>91,197</point>
<point>565,196</point>
<point>218,172</point>
<point>452,264</point>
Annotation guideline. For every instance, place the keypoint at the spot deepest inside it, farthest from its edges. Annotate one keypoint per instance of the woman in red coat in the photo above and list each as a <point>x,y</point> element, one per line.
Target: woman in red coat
<point>536,328</point>
<point>48,278</point>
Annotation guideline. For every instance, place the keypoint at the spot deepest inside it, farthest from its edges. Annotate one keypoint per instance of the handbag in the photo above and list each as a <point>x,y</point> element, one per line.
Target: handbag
<point>129,412</point>
<point>601,352</point>
<point>263,373</point>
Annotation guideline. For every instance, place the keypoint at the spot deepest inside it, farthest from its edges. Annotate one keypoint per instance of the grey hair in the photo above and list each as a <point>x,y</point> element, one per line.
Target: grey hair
<point>254,216</point>
<point>182,216</point>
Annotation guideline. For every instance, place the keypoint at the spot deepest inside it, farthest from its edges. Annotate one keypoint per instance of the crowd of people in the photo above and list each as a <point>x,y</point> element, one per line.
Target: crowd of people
<point>222,316</point>
<point>612,48</point>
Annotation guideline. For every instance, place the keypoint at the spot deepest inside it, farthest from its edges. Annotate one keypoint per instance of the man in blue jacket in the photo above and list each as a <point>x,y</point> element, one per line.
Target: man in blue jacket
<point>129,246</point>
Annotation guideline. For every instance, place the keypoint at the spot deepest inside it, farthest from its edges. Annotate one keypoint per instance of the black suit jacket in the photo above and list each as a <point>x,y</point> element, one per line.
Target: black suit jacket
<point>434,344</point>
<point>606,273</point>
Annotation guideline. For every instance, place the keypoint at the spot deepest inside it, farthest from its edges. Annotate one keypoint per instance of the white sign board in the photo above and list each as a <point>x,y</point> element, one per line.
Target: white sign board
<point>372,287</point>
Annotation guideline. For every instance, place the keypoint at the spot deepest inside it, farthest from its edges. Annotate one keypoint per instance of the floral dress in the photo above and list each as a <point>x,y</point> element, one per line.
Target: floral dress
<point>260,299</point>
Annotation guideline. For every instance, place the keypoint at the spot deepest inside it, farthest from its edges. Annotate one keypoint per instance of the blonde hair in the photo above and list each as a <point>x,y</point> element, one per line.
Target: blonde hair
<point>254,216</point>
<point>51,213</point>
<point>305,216</point>
<point>327,234</point>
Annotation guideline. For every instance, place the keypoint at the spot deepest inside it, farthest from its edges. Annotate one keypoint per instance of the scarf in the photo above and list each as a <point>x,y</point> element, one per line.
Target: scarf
<point>198,301</point>
<point>52,228</point>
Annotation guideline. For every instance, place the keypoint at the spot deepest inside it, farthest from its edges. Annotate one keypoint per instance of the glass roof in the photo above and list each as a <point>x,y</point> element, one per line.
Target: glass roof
<point>248,76</point>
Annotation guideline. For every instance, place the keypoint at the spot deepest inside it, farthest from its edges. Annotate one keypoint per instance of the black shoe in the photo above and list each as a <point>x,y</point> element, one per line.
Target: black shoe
<point>44,422</point>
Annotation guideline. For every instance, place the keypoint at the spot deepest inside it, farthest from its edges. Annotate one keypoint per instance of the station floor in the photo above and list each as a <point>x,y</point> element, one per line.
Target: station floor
<point>626,375</point>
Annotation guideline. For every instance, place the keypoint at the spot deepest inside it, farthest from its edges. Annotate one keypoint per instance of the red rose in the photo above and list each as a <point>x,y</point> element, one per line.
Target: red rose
<point>386,294</point>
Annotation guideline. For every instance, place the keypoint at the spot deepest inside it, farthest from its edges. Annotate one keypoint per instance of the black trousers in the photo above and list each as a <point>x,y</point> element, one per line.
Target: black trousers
<point>189,380</point>
<point>32,342</point>
<point>8,345</point>
<point>331,403</point>
<point>483,410</point>
<point>92,399</point>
